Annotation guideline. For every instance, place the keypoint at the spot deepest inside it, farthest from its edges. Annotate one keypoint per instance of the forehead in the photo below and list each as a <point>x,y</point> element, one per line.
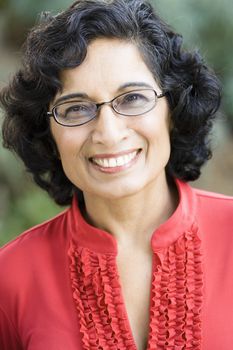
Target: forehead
<point>109,64</point>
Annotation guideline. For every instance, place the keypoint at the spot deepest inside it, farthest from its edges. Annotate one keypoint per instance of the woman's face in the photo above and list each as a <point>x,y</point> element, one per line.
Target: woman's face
<point>113,156</point>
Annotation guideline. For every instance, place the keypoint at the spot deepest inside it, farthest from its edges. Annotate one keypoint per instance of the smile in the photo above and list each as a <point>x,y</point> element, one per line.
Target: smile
<point>113,162</point>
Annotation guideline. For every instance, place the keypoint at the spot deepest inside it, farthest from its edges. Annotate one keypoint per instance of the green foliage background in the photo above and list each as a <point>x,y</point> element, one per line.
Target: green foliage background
<point>205,24</point>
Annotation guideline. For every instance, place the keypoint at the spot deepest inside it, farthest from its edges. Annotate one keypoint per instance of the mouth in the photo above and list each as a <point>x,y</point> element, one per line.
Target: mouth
<point>118,162</point>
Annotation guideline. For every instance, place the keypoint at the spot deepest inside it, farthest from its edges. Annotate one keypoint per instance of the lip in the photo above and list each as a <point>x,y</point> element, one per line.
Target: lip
<point>114,155</point>
<point>118,168</point>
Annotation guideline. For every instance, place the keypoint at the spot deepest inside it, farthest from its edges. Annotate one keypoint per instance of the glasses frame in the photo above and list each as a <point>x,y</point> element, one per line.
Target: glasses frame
<point>98,105</point>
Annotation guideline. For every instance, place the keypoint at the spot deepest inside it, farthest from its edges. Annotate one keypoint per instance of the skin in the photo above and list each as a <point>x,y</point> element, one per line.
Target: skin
<point>115,200</point>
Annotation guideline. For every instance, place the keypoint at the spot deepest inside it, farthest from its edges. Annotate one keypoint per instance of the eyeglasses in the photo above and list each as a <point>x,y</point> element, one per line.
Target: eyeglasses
<point>79,112</point>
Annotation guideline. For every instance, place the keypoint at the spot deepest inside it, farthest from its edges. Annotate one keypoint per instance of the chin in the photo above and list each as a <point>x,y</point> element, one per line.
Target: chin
<point>122,191</point>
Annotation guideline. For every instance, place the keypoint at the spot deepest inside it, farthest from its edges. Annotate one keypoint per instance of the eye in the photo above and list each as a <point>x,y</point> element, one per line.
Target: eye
<point>133,98</point>
<point>76,109</point>
<point>135,102</point>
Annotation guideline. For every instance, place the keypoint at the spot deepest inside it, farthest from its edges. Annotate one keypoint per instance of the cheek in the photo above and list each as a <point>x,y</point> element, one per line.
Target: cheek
<point>157,136</point>
<point>69,141</point>
<point>154,129</point>
<point>157,122</point>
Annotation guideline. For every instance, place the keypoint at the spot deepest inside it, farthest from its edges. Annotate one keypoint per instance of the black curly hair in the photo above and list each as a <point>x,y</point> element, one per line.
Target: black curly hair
<point>61,41</point>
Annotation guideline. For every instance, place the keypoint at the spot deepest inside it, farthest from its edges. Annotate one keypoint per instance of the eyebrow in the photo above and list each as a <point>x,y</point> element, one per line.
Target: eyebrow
<point>83,95</point>
<point>70,97</point>
<point>135,84</point>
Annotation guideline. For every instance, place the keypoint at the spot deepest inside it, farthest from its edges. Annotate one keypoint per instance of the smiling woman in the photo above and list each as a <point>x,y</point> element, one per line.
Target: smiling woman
<point>138,131</point>
<point>112,117</point>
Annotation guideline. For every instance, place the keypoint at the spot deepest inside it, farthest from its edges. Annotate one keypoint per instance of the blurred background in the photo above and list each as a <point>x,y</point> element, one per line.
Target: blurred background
<point>205,24</point>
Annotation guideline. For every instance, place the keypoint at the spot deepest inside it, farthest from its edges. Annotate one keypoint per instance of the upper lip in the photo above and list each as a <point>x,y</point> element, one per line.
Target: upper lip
<point>114,155</point>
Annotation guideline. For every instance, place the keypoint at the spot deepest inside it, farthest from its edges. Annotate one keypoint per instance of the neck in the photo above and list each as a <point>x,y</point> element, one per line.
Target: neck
<point>133,219</point>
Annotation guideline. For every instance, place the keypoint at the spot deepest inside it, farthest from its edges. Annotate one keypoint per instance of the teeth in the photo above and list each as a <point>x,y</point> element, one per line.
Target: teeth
<point>120,161</point>
<point>104,163</point>
<point>114,162</point>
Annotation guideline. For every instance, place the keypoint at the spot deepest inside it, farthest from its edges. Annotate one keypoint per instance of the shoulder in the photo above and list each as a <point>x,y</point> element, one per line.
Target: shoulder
<point>36,235</point>
<point>198,202</point>
<point>214,200</point>
<point>25,253</point>
<point>214,212</point>
<point>30,267</point>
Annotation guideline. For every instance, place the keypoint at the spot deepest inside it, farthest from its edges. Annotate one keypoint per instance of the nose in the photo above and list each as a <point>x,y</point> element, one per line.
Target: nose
<point>109,128</point>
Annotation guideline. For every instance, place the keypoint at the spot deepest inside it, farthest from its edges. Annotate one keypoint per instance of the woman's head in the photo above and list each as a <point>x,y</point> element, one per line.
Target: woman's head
<point>61,42</point>
<point>123,148</point>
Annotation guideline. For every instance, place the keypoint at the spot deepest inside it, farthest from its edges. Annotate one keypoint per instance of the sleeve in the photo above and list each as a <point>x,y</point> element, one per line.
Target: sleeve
<point>8,337</point>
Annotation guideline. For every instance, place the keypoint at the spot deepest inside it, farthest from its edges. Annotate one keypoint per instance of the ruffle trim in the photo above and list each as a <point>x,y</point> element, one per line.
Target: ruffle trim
<point>176,298</point>
<point>97,294</point>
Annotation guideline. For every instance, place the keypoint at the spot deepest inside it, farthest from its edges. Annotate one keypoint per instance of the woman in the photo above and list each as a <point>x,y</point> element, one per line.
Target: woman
<point>112,116</point>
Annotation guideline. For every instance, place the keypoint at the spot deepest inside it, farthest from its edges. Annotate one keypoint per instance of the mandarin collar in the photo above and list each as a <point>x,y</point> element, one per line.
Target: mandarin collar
<point>100,241</point>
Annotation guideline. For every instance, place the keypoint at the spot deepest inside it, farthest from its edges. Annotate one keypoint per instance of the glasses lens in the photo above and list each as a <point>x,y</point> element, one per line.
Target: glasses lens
<point>75,112</point>
<point>135,102</point>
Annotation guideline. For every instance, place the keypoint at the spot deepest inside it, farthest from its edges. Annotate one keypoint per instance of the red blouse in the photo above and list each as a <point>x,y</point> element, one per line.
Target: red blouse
<point>60,289</point>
